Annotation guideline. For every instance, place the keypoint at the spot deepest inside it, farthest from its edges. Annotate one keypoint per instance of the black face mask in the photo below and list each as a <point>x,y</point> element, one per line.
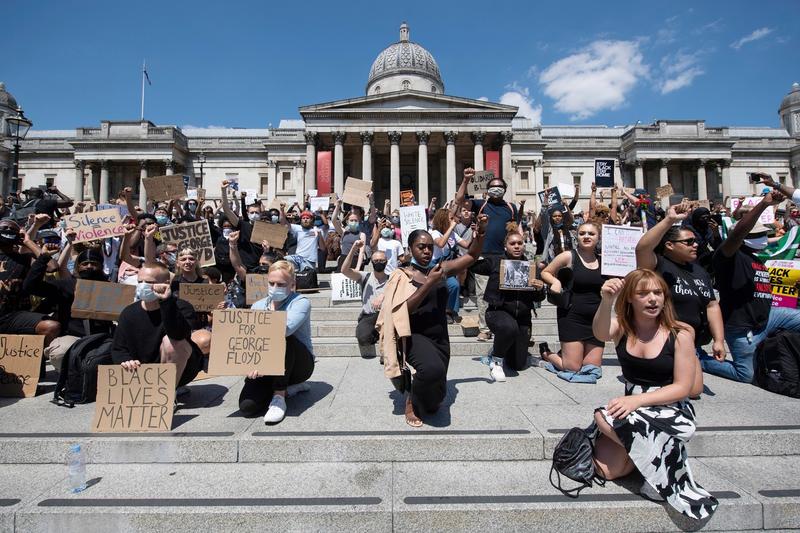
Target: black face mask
<point>379,266</point>
<point>94,275</point>
<point>261,269</point>
<point>10,237</point>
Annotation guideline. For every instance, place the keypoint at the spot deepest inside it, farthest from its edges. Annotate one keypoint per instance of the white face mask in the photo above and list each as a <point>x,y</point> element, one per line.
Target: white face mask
<point>496,192</point>
<point>278,294</point>
<point>253,217</point>
<point>145,293</point>
<point>759,243</point>
<point>226,232</point>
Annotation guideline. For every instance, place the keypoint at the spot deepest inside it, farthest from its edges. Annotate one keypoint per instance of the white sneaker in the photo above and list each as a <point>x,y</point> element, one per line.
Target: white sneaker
<point>496,371</point>
<point>276,411</point>
<point>293,390</point>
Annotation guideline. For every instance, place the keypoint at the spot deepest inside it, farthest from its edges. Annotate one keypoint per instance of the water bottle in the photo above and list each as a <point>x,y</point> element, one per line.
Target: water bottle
<point>76,466</point>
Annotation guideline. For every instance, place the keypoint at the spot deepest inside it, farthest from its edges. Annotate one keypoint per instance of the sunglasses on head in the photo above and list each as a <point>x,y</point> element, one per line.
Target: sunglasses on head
<point>691,241</point>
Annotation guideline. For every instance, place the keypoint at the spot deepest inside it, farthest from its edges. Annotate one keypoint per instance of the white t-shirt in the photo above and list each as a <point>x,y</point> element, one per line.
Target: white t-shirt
<point>438,252</point>
<point>393,249</point>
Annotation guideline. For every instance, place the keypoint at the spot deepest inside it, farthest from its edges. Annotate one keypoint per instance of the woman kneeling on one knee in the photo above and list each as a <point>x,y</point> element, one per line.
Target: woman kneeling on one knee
<point>647,428</point>
<point>299,361</point>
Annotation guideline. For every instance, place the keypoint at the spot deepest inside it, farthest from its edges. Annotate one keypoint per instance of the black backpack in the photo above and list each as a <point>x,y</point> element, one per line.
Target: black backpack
<point>777,363</point>
<point>306,280</point>
<point>573,457</point>
<point>77,382</point>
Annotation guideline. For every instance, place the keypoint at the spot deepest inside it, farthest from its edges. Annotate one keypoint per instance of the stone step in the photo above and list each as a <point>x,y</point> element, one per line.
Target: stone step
<point>343,328</point>
<point>381,497</point>
<point>349,311</point>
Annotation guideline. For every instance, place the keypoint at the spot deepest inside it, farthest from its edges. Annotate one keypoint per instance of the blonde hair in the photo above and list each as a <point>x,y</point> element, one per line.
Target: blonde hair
<point>186,250</point>
<point>283,266</point>
<point>624,309</point>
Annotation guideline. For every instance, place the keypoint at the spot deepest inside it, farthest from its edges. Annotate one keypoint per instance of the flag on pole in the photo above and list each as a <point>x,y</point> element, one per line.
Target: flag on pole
<point>784,248</point>
<point>147,76</point>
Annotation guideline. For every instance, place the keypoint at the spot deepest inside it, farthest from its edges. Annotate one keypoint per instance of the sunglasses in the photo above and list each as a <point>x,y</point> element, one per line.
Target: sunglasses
<point>688,242</point>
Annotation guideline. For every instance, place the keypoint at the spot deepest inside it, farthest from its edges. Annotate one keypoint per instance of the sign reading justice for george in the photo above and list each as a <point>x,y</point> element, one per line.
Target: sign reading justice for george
<point>244,340</point>
<point>20,361</point>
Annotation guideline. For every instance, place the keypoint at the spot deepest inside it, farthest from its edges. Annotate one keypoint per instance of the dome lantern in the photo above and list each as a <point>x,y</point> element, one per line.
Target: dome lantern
<point>404,65</point>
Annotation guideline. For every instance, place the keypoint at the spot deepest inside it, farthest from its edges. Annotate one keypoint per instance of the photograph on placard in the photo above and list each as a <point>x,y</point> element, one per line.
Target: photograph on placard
<point>517,275</point>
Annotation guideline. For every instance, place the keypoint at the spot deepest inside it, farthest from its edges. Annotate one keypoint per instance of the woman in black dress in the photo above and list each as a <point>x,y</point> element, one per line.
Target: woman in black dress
<point>579,347</point>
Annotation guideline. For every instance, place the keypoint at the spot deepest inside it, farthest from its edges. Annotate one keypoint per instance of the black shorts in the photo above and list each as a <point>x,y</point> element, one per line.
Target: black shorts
<point>21,322</point>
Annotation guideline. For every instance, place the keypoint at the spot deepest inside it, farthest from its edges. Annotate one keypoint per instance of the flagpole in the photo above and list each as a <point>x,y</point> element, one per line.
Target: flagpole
<point>144,69</point>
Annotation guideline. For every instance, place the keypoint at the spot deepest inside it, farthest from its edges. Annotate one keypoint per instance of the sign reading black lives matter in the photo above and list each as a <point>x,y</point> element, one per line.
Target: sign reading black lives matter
<point>194,235</point>
<point>604,172</point>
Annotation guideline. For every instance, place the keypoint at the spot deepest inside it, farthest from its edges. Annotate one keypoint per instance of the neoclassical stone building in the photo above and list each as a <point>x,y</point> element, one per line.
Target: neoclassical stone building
<point>405,133</point>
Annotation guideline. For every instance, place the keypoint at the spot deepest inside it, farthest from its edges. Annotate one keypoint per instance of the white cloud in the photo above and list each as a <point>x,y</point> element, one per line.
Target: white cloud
<point>596,78</point>
<point>760,33</point>
<point>520,97</point>
<point>484,98</point>
<point>679,70</point>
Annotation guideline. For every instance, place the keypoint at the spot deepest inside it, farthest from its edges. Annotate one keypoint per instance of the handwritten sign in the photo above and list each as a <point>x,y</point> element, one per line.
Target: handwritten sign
<point>784,276</point>
<point>517,275</point>
<point>550,197</point>
<point>94,225</point>
<point>274,234</point>
<point>767,217</point>
<point>20,362</point>
<point>191,193</point>
<point>164,188</point>
<point>134,401</point>
<point>312,193</point>
<point>619,250</point>
<point>101,300</point>
<point>604,172</point>
<point>344,289</point>
<point>480,182</point>
<point>355,192</point>
<point>256,288</point>
<point>665,191</point>
<point>320,203</point>
<point>406,198</point>
<point>194,235</point>
<point>204,297</point>
<point>412,218</point>
<point>244,340</point>
<point>565,189</point>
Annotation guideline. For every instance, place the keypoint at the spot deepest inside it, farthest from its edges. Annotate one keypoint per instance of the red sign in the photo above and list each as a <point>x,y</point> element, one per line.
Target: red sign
<point>493,162</point>
<point>324,173</point>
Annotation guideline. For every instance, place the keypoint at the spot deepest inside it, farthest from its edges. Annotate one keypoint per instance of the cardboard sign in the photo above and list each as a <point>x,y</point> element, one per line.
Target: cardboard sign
<point>274,234</point>
<point>204,297</point>
<point>412,218</point>
<point>480,183</point>
<point>784,276</point>
<point>164,188</point>
<point>101,300</point>
<point>319,203</point>
<point>141,400</point>
<point>619,250</point>
<point>194,235</point>
<point>406,198</point>
<point>604,172</point>
<point>470,326</point>
<point>355,192</point>
<point>517,275</point>
<point>550,197</point>
<point>344,289</point>
<point>565,189</point>
<point>244,340</point>
<point>94,225</point>
<point>665,191</point>
<point>20,362</point>
<point>201,193</point>
<point>121,208</point>
<point>767,217</point>
<point>256,288</point>
<point>250,194</point>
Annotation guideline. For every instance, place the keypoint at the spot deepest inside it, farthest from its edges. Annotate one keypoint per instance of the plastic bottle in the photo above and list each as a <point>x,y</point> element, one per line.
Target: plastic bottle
<point>76,468</point>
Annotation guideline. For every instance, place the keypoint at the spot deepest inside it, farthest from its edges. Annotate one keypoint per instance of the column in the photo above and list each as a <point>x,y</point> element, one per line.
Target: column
<point>338,162</point>
<point>450,137</point>
<point>394,168</point>
<point>272,180</point>
<point>311,160</point>
<point>702,188</point>
<point>538,180</point>
<point>142,191</point>
<point>477,138</point>
<point>297,178</point>
<point>104,182</point>
<point>508,169</point>
<point>366,155</point>
<point>663,179</point>
<point>80,167</point>
<point>726,179</point>
<point>422,172</point>
<point>639,174</point>
<point>95,180</point>
<point>795,170</point>
<point>170,167</point>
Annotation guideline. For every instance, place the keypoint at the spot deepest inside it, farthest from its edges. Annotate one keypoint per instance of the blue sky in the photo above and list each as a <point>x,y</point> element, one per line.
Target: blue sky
<point>249,64</point>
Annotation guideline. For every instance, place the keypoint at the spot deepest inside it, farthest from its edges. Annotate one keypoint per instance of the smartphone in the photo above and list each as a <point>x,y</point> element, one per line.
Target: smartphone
<point>755,177</point>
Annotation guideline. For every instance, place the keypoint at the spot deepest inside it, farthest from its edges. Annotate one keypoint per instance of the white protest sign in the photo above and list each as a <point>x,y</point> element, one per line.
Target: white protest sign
<point>344,289</point>
<point>411,218</point>
<point>191,193</point>
<point>321,203</point>
<point>767,217</point>
<point>313,192</point>
<point>619,250</point>
<point>566,189</point>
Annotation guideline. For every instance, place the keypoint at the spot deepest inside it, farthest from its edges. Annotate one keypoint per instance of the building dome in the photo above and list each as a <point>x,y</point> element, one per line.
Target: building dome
<point>404,65</point>
<point>790,111</point>
<point>793,98</point>
<point>6,98</point>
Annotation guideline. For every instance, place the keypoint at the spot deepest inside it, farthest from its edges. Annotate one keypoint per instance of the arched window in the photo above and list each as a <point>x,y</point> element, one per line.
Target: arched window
<point>406,85</point>
<point>377,89</point>
<point>433,88</point>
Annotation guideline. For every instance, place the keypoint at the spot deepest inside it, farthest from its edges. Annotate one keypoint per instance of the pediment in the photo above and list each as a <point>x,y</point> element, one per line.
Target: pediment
<point>408,101</point>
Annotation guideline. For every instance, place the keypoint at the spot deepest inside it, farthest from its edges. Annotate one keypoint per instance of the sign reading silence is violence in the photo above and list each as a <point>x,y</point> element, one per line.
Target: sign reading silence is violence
<point>94,225</point>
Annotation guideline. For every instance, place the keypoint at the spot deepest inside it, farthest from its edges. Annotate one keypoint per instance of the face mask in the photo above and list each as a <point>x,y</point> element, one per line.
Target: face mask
<point>559,225</point>
<point>253,217</point>
<point>96,275</point>
<point>352,226</point>
<point>386,232</point>
<point>262,269</point>
<point>318,223</point>
<point>226,232</point>
<point>275,219</point>
<point>378,266</point>
<point>759,243</point>
<point>191,207</point>
<point>396,221</point>
<point>496,192</point>
<point>171,257</point>
<point>162,220</point>
<point>417,264</point>
<point>144,292</point>
<point>9,236</point>
<point>278,294</point>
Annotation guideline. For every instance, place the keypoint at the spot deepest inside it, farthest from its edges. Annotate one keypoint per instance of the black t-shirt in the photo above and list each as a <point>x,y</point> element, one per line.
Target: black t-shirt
<point>499,215</point>
<point>692,290</point>
<point>139,332</point>
<point>745,291</point>
<point>14,269</point>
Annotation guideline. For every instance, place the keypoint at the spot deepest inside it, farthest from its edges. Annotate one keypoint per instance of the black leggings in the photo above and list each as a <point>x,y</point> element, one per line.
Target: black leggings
<point>430,362</point>
<point>366,333</point>
<point>257,393</point>
<point>511,336</point>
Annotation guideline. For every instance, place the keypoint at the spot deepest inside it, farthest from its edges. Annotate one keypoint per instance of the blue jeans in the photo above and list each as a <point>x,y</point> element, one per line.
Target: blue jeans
<point>453,294</point>
<point>742,343</point>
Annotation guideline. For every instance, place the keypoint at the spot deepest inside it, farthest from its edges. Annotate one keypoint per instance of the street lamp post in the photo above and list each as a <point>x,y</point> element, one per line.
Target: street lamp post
<point>17,128</point>
<point>202,159</point>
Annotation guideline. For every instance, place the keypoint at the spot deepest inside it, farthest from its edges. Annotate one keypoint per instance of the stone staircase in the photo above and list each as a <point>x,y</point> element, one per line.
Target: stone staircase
<point>344,460</point>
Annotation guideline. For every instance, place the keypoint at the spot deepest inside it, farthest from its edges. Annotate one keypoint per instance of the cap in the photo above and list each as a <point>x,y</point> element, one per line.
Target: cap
<point>306,214</point>
<point>90,254</point>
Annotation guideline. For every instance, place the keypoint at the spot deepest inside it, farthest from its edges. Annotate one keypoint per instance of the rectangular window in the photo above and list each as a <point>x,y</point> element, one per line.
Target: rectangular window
<point>546,180</point>
<point>286,180</point>
<point>264,184</point>
<point>523,179</point>
<point>49,179</point>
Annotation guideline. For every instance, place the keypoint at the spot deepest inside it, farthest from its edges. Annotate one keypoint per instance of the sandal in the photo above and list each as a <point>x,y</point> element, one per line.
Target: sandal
<point>411,418</point>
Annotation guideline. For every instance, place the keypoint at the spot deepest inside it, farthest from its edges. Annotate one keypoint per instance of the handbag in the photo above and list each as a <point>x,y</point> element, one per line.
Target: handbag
<point>573,457</point>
